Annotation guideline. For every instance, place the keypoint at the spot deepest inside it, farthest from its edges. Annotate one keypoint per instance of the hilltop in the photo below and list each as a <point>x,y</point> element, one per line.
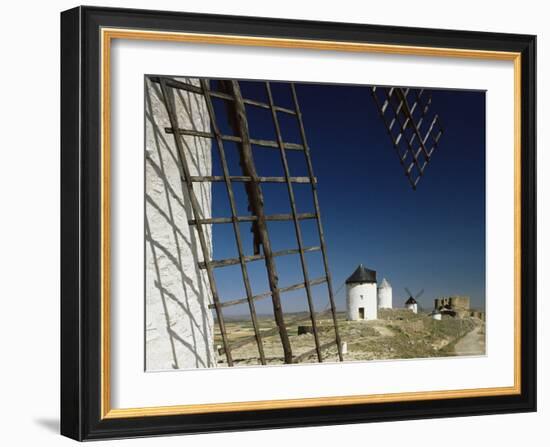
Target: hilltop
<point>397,334</point>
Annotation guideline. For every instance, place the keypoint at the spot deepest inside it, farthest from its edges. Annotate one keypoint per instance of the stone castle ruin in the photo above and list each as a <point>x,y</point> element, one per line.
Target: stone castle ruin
<point>457,306</point>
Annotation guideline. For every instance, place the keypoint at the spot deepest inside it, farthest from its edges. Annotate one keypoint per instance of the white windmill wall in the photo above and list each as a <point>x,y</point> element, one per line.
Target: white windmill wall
<point>413,307</point>
<point>362,295</point>
<point>385,295</point>
<point>178,323</point>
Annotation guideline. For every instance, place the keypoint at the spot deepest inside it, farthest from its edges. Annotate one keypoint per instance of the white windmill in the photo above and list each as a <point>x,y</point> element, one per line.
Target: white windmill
<point>362,300</point>
<point>384,295</point>
<point>411,303</point>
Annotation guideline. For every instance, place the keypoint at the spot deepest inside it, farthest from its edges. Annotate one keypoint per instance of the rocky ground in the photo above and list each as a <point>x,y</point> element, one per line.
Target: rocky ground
<point>473,343</point>
<point>397,334</point>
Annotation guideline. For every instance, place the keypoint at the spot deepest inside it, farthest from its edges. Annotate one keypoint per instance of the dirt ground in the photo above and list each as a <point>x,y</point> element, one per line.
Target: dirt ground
<point>397,334</point>
<point>473,343</point>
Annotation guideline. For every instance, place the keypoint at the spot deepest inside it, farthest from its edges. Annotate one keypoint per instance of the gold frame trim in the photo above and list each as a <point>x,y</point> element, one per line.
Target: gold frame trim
<point>107,35</point>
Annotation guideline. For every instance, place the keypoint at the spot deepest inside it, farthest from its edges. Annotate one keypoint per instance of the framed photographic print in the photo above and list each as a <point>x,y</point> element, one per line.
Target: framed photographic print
<point>275,223</point>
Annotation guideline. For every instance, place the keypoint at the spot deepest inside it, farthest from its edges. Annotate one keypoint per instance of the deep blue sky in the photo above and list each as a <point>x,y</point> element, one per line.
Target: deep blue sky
<point>431,238</point>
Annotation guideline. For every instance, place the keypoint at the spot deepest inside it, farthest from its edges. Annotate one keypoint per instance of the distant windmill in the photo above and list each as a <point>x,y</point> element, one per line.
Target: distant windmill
<point>413,127</point>
<point>411,303</point>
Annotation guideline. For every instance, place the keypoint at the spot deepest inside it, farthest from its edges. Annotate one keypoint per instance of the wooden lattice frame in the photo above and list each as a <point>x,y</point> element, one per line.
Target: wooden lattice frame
<point>258,217</point>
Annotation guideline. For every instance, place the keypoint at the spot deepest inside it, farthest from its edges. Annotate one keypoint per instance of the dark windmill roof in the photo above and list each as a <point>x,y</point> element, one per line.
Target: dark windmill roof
<point>411,300</point>
<point>361,275</point>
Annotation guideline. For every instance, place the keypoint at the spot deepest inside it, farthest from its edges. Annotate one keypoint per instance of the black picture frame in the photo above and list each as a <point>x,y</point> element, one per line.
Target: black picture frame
<point>81,224</point>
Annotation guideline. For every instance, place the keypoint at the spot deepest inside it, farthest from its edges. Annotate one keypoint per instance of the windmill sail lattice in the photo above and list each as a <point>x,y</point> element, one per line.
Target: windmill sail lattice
<point>230,92</point>
<point>414,129</point>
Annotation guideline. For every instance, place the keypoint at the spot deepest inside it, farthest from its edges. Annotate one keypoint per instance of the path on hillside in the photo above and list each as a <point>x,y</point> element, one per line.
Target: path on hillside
<point>473,343</point>
<point>384,331</point>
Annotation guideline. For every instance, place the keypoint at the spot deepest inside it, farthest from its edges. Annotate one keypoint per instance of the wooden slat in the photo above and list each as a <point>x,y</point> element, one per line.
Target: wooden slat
<point>195,89</point>
<point>268,217</point>
<point>244,178</point>
<point>234,261</point>
<point>173,83</point>
<point>263,105</point>
<point>291,288</point>
<point>235,139</point>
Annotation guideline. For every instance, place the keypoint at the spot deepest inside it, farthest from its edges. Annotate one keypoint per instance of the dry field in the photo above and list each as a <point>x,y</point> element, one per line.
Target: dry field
<point>397,334</point>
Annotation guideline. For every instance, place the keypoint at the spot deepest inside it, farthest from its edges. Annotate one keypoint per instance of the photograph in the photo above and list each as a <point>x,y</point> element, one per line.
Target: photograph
<point>291,222</point>
<point>273,221</point>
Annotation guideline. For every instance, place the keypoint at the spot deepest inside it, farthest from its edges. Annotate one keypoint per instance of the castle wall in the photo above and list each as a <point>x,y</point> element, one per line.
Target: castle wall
<point>455,302</point>
<point>179,324</point>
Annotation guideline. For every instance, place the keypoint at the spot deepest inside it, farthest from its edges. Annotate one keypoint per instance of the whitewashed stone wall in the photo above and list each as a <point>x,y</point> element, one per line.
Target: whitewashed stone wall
<point>362,295</point>
<point>179,325</point>
<point>385,295</point>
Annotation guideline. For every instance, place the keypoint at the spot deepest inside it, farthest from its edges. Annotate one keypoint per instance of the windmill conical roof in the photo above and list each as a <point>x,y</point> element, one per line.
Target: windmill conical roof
<point>361,275</point>
<point>384,284</point>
